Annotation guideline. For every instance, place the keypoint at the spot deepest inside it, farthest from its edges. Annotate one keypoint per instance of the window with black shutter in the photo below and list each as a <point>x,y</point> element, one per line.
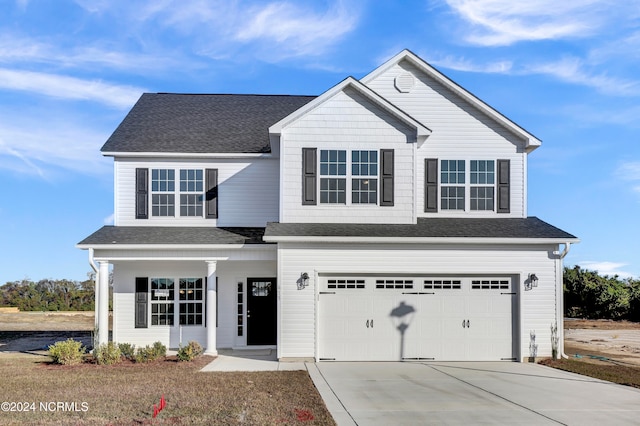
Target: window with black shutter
<point>141,302</point>
<point>387,177</point>
<point>142,190</point>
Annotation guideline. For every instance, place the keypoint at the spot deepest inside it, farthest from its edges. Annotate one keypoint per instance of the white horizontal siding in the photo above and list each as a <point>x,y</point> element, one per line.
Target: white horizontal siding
<point>229,273</point>
<point>348,121</point>
<point>247,192</point>
<point>459,132</point>
<point>297,307</point>
<point>249,252</point>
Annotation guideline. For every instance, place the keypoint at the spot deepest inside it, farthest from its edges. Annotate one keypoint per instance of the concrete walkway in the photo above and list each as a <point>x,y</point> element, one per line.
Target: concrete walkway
<point>250,360</point>
<point>470,393</point>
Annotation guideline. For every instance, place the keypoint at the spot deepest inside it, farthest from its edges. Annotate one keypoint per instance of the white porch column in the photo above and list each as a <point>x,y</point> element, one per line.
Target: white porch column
<point>211,308</point>
<point>103,300</point>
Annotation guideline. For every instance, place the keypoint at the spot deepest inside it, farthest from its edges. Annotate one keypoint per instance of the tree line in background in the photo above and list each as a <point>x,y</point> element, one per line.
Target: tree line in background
<point>49,295</point>
<point>590,295</point>
<point>587,294</point>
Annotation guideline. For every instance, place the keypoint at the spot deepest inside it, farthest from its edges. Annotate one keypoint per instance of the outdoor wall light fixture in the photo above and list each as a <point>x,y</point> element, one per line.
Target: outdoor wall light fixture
<point>303,281</point>
<point>532,281</point>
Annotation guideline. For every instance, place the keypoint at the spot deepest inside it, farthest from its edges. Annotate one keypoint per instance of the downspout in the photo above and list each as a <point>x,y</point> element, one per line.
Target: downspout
<point>95,289</point>
<point>559,278</point>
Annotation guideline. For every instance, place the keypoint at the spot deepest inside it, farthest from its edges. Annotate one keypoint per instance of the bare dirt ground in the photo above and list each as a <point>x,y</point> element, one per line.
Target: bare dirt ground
<point>35,331</point>
<point>601,341</point>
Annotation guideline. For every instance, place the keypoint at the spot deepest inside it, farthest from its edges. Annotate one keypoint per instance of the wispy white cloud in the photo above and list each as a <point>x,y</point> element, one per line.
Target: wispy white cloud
<point>630,172</point>
<point>109,220</point>
<point>606,268</point>
<point>304,31</point>
<point>464,64</point>
<point>504,22</point>
<point>65,87</point>
<point>574,70</point>
<point>42,145</point>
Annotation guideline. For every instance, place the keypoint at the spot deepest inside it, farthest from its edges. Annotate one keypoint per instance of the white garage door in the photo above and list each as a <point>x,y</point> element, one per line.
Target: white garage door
<point>416,318</point>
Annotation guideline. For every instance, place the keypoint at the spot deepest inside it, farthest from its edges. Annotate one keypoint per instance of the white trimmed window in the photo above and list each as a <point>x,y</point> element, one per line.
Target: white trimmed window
<point>333,172</point>
<point>162,305</point>
<point>452,181</point>
<point>482,181</point>
<point>191,301</point>
<point>473,181</point>
<point>164,192</point>
<point>364,187</point>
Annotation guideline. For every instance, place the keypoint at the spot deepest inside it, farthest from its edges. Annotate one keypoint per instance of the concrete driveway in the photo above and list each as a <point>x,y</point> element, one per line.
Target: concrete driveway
<point>463,393</point>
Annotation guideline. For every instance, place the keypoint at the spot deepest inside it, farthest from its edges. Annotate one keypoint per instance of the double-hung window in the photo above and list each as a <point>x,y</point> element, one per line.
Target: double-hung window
<point>190,192</point>
<point>333,176</point>
<point>162,192</point>
<point>191,301</point>
<point>452,181</point>
<point>482,180</point>
<point>478,186</point>
<point>364,172</point>
<point>162,295</point>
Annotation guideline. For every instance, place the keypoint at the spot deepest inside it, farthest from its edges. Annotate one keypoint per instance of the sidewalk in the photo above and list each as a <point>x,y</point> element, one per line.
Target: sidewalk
<point>250,360</point>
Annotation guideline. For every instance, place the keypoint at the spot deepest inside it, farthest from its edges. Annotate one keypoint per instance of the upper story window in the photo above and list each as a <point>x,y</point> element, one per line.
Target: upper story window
<point>467,185</point>
<point>452,179</point>
<point>364,188</point>
<point>196,191</point>
<point>333,172</point>
<point>370,174</point>
<point>191,192</point>
<point>162,189</point>
<point>482,180</point>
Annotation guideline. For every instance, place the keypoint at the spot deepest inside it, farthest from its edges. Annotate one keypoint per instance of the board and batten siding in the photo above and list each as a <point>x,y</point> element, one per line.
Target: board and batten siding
<point>229,274</point>
<point>537,307</point>
<point>347,121</point>
<point>459,132</point>
<point>247,192</point>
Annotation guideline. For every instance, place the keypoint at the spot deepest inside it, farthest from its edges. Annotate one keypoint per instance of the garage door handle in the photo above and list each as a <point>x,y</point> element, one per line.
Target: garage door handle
<point>367,323</point>
<point>468,324</point>
<point>464,324</point>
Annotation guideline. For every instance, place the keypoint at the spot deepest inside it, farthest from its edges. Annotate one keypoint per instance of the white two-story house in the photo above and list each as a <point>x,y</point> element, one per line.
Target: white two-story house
<point>385,219</point>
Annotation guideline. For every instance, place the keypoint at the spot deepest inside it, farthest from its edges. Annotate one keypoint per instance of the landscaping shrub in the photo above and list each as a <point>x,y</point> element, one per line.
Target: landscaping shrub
<point>189,352</point>
<point>127,350</point>
<point>150,353</point>
<point>107,353</point>
<point>67,352</point>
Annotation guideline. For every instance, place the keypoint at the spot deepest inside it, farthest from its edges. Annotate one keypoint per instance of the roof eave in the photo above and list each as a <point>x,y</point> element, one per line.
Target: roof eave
<point>417,240</point>
<point>117,246</point>
<point>225,155</point>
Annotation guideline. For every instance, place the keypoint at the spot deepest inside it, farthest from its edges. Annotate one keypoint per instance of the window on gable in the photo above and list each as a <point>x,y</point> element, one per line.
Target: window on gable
<point>452,179</point>
<point>364,188</point>
<point>482,180</point>
<point>333,187</point>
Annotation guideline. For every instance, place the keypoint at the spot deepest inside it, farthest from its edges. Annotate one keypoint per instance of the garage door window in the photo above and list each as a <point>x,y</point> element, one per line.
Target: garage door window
<point>334,284</point>
<point>388,284</point>
<point>442,284</point>
<point>490,284</point>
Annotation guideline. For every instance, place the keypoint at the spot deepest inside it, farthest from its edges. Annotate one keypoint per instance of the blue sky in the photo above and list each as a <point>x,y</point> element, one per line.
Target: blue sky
<point>71,70</point>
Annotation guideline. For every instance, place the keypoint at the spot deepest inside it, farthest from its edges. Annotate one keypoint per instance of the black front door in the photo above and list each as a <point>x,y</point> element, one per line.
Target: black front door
<point>261,311</point>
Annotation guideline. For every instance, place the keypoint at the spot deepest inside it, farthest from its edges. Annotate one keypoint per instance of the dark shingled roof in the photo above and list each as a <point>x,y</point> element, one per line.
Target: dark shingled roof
<point>173,235</point>
<point>185,123</point>
<point>531,227</point>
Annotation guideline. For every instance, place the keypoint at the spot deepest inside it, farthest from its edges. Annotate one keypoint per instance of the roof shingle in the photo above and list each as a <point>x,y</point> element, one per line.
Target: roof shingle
<point>187,123</point>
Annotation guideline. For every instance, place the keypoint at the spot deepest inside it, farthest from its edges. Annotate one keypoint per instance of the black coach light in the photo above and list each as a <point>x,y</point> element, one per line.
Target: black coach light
<point>303,281</point>
<point>532,281</point>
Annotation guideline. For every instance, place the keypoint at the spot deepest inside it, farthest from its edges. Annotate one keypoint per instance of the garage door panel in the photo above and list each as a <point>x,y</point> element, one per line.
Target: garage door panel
<point>389,318</point>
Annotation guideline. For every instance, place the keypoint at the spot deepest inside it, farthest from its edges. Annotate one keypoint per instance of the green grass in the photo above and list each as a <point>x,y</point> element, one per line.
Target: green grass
<point>125,393</point>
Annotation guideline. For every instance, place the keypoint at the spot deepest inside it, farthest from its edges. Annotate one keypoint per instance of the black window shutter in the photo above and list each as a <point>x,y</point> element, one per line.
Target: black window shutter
<point>211,204</point>
<point>142,193</point>
<point>386,177</point>
<point>504,186</point>
<point>142,301</point>
<point>431,185</point>
<point>309,176</point>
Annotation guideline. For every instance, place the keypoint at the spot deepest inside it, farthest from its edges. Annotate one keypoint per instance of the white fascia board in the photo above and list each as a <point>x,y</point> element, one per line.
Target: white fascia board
<point>161,246</point>
<point>419,240</point>
<point>149,258</point>
<point>421,130</point>
<point>185,155</point>
<point>531,141</point>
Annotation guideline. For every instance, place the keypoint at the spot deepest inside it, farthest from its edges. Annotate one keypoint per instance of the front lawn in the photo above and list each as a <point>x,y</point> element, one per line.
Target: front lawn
<point>125,393</point>
<point>623,374</point>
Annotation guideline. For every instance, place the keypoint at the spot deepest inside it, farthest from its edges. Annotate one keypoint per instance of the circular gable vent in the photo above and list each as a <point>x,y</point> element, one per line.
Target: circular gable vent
<point>404,82</point>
